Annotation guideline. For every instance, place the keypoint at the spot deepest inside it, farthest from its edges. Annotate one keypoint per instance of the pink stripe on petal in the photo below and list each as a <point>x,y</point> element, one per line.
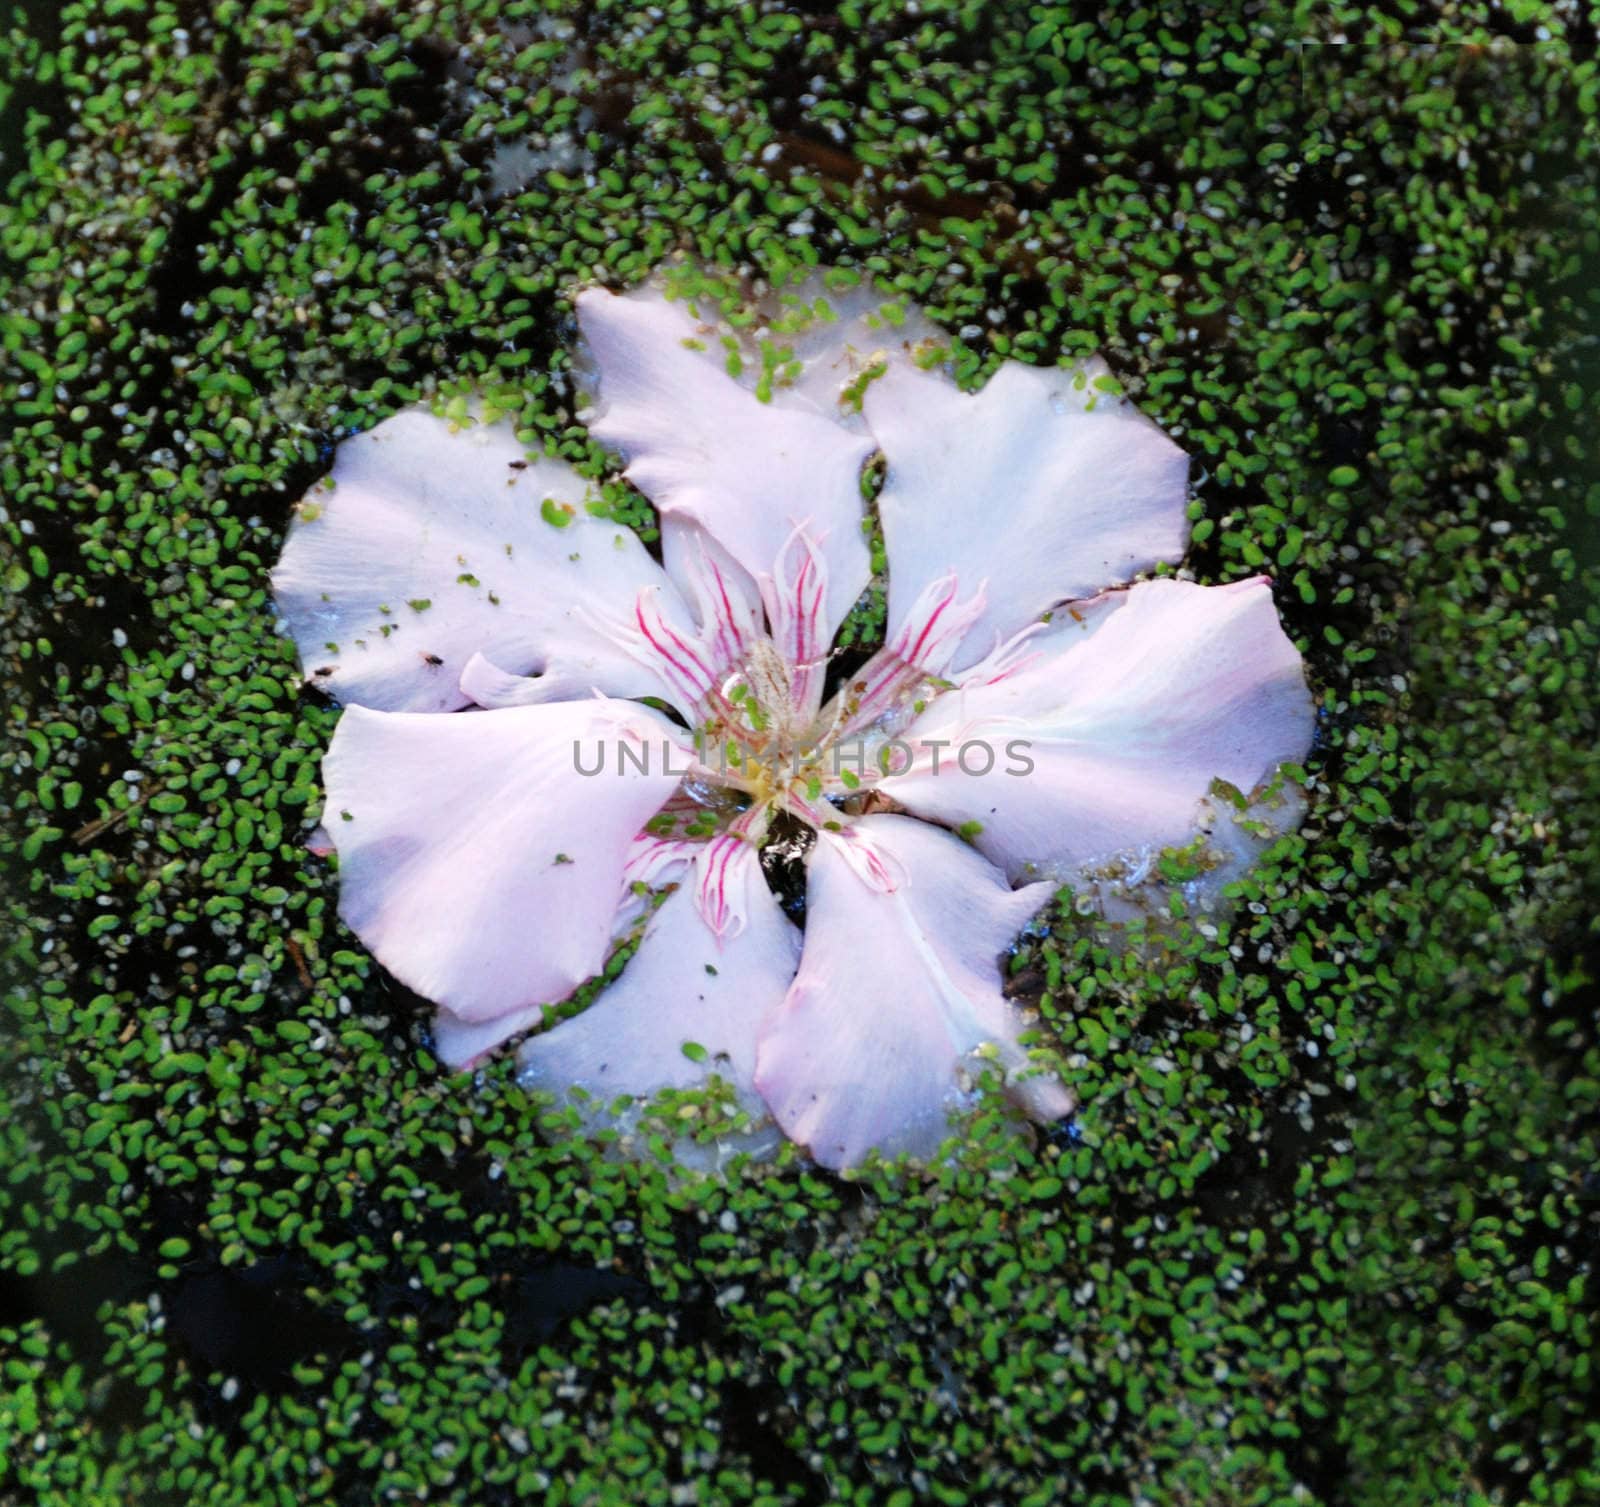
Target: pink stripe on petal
<point>684,985</point>
<point>1125,726</point>
<point>658,861</point>
<point>726,601</point>
<point>720,908</point>
<point>792,594</point>
<point>1021,486</point>
<point>872,863</point>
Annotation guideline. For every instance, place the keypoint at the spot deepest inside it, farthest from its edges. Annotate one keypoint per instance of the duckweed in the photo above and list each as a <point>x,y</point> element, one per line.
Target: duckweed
<point>1323,1228</point>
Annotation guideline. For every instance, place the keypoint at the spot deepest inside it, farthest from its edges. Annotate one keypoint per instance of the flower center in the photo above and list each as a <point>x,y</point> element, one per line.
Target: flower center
<point>763,740</point>
<point>764,735</point>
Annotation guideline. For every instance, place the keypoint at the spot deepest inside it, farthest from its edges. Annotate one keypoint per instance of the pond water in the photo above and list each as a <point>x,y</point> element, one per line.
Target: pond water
<point>1318,1228</point>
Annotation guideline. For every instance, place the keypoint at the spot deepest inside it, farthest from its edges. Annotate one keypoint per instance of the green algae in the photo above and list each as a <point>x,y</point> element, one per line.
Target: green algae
<point>1323,1228</point>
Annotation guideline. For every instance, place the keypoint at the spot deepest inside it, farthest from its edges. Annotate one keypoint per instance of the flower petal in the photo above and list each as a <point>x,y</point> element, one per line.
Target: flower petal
<point>436,543</point>
<point>896,990</point>
<point>1124,728</point>
<point>476,862</point>
<point>726,601</point>
<point>683,986</point>
<point>461,1044</point>
<point>752,474</point>
<point>1023,489</point>
<point>654,863</point>
<point>1231,835</point>
<point>842,340</point>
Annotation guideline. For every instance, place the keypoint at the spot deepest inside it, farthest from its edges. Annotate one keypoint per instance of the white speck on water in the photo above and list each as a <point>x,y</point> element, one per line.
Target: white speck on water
<point>119,638</point>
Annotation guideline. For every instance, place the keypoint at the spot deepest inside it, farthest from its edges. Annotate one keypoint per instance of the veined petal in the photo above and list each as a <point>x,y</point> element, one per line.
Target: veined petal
<point>726,601</point>
<point>728,886</point>
<point>684,986</point>
<point>434,544</point>
<point>659,861</point>
<point>1024,489</point>
<point>919,653</point>
<point>1070,624</point>
<point>698,445</point>
<point>476,861</point>
<point>796,596</point>
<point>1107,742</point>
<point>654,863</point>
<point>897,989</point>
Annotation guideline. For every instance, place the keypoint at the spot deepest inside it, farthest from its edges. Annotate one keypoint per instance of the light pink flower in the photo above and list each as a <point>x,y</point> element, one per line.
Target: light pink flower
<point>545,726</point>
